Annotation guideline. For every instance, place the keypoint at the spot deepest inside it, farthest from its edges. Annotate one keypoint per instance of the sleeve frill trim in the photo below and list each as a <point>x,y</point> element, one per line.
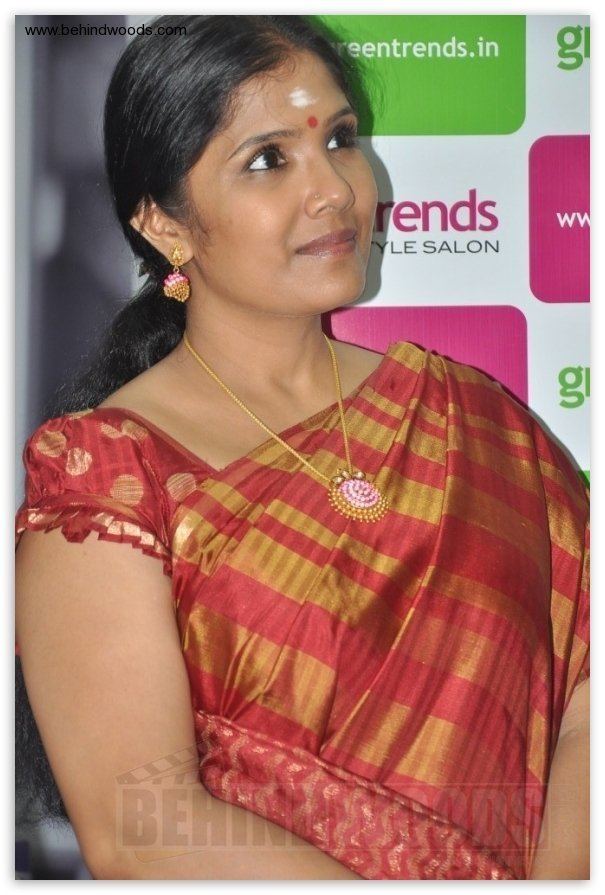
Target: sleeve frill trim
<point>76,526</point>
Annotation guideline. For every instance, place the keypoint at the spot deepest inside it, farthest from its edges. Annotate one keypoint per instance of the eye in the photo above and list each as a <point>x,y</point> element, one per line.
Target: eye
<point>348,134</point>
<point>345,133</point>
<point>270,149</point>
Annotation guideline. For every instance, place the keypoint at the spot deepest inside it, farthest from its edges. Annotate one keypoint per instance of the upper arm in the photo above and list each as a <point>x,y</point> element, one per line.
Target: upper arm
<point>576,718</point>
<point>563,848</point>
<point>567,504</point>
<point>103,668</point>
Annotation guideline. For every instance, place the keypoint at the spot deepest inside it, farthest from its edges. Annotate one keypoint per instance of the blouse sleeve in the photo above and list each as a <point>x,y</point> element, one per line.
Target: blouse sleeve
<point>84,475</point>
<point>568,508</point>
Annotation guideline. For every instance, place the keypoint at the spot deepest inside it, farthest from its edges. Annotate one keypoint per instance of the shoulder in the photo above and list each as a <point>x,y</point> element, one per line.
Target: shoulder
<point>116,451</point>
<point>459,391</point>
<point>483,415</point>
<point>92,455</point>
<point>476,401</point>
<point>92,471</point>
<point>87,445</point>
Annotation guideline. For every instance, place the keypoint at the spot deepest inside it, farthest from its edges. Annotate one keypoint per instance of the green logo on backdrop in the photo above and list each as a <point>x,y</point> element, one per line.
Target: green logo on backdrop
<point>574,385</point>
<point>436,74</point>
<point>573,43</point>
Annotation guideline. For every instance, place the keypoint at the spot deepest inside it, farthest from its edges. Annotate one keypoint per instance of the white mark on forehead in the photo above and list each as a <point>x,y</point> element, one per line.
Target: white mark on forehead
<point>301,98</point>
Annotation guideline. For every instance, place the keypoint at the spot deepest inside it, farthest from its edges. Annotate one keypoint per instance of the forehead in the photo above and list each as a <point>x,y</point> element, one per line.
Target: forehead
<point>284,97</point>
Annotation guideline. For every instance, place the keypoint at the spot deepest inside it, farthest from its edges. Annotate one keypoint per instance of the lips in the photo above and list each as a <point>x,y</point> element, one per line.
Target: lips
<point>335,238</point>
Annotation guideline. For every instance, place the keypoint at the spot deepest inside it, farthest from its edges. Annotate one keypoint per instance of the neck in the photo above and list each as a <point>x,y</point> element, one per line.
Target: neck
<point>283,359</point>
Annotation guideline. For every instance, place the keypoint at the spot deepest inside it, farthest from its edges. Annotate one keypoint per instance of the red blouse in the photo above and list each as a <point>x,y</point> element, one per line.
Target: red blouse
<point>391,691</point>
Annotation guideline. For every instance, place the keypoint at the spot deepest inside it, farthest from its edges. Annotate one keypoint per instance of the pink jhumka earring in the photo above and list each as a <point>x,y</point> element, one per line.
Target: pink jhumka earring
<point>177,283</point>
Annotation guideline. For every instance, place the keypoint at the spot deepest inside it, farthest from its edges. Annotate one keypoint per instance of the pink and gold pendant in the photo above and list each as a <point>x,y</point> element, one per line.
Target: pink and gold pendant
<point>354,496</point>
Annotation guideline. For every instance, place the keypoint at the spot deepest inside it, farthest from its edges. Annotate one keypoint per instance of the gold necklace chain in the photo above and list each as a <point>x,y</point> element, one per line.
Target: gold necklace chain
<point>266,428</point>
<point>350,492</point>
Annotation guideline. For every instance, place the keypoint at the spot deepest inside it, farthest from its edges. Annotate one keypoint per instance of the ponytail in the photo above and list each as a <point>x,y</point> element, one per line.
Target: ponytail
<point>166,99</point>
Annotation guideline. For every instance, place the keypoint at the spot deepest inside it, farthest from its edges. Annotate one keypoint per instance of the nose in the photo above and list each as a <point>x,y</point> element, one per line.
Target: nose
<point>327,186</point>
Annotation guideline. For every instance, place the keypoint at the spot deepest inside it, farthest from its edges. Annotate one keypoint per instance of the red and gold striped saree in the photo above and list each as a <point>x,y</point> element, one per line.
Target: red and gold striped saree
<point>391,691</point>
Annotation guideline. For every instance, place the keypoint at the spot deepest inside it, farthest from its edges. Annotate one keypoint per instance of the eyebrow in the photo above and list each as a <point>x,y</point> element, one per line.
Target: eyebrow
<point>292,132</point>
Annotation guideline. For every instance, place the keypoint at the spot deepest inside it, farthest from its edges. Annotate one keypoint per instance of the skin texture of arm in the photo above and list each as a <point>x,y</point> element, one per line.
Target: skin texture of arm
<point>109,690</point>
<point>243,846</point>
<point>563,850</point>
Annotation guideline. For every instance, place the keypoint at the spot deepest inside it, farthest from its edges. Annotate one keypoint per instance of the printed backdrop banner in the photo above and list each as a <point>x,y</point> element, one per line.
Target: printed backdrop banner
<point>477,129</point>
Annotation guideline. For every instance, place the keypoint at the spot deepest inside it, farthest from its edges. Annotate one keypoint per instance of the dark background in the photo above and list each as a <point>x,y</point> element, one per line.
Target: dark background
<point>73,268</point>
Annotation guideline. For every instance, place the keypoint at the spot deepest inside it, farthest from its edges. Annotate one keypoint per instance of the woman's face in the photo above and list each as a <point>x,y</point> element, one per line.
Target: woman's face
<point>259,205</point>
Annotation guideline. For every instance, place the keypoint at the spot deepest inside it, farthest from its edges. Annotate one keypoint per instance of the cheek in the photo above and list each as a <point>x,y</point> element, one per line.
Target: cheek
<point>257,206</point>
<point>264,225</point>
<point>251,237</point>
<point>241,228</point>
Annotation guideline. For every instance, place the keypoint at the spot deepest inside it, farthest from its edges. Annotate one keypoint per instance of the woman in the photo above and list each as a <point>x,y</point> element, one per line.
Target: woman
<point>379,612</point>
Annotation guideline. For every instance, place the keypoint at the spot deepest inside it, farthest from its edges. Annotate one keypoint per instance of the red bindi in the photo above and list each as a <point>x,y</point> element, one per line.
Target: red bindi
<point>312,121</point>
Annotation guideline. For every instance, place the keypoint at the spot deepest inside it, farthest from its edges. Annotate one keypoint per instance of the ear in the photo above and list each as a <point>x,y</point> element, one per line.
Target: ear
<point>161,231</point>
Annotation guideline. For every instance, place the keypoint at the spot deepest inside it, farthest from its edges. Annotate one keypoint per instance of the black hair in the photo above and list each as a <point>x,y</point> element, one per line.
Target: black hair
<point>167,97</point>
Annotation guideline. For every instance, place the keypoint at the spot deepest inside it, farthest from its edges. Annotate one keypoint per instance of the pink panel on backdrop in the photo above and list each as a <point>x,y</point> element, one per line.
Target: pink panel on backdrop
<point>493,339</point>
<point>559,229</point>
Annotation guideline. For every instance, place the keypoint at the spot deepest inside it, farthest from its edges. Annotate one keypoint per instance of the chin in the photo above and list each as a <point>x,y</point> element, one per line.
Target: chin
<point>340,297</point>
